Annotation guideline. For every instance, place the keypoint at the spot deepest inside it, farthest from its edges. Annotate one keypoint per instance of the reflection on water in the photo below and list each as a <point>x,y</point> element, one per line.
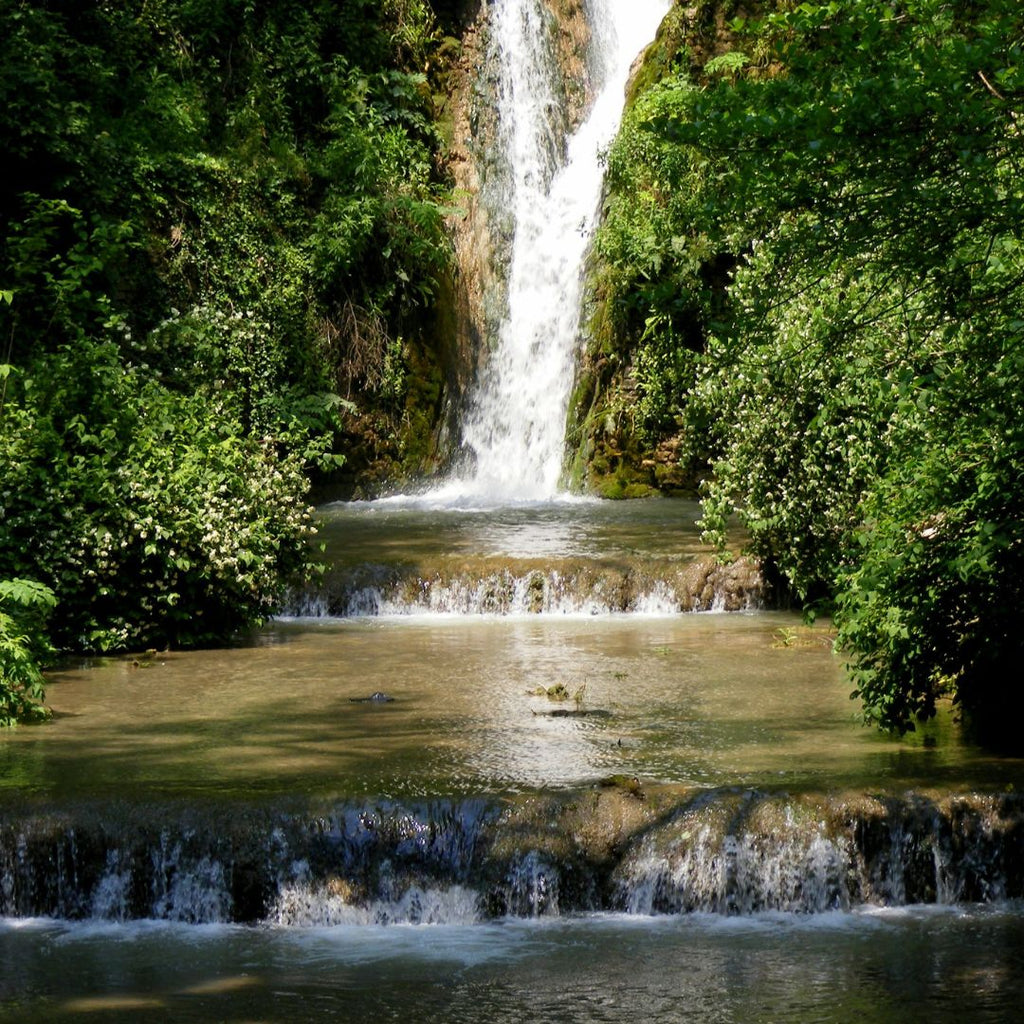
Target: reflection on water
<point>884,967</point>
<point>700,700</point>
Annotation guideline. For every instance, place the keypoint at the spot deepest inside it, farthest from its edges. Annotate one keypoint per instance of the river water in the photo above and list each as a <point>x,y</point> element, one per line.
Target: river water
<point>750,698</point>
<point>883,967</point>
<point>237,835</point>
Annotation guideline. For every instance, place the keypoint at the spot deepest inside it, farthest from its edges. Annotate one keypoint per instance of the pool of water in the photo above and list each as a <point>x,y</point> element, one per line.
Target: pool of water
<point>697,700</point>
<point>931,966</point>
<point>426,530</point>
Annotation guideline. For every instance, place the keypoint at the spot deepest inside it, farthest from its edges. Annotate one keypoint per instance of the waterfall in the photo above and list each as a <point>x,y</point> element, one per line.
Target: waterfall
<point>515,422</point>
<point>573,589</point>
<point>601,849</point>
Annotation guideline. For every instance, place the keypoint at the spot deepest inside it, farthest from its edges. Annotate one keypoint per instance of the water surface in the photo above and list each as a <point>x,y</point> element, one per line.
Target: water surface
<point>432,527</point>
<point>912,965</point>
<point>696,700</point>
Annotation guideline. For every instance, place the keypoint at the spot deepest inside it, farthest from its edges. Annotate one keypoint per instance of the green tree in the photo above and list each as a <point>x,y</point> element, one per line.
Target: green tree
<point>205,206</point>
<point>859,366</point>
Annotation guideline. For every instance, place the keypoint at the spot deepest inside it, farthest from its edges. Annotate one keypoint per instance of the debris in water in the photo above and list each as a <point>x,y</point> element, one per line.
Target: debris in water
<point>628,783</point>
<point>559,691</point>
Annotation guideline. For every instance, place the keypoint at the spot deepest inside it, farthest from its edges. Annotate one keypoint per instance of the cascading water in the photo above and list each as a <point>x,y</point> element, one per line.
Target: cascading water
<point>515,424</point>
<point>606,849</point>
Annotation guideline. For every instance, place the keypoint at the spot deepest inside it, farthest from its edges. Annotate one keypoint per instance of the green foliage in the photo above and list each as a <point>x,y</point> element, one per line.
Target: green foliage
<point>729,63</point>
<point>151,515</point>
<point>835,228</point>
<point>24,607</point>
<point>276,159</point>
<point>928,607</point>
<point>204,205</point>
<point>652,249</point>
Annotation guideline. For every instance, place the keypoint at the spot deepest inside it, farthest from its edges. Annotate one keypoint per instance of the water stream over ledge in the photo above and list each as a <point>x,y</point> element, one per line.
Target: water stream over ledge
<point>563,557</point>
<point>514,426</point>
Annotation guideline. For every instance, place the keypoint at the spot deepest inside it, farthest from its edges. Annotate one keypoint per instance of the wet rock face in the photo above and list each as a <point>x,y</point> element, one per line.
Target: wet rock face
<point>480,176</point>
<point>738,586</point>
<point>632,848</point>
<point>571,36</point>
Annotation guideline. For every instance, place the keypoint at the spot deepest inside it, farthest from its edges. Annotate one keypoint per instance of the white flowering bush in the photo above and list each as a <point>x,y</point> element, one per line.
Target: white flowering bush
<point>150,513</point>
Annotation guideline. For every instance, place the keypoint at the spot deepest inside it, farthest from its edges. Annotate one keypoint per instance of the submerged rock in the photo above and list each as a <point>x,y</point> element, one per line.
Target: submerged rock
<point>626,783</point>
<point>574,713</point>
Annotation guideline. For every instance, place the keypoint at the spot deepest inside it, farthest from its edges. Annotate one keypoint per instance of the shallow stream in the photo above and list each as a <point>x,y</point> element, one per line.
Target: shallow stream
<point>695,828</point>
<point>887,968</point>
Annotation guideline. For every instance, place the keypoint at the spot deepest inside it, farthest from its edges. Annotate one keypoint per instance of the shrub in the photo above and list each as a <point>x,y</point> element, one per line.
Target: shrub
<point>24,606</point>
<point>150,513</point>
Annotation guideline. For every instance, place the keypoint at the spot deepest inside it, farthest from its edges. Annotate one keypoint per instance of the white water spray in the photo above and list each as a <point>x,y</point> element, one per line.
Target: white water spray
<point>515,425</point>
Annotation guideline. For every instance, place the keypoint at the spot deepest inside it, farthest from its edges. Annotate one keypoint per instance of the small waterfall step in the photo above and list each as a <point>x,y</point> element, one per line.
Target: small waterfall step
<point>525,588</point>
<point>574,557</point>
<point>630,848</point>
